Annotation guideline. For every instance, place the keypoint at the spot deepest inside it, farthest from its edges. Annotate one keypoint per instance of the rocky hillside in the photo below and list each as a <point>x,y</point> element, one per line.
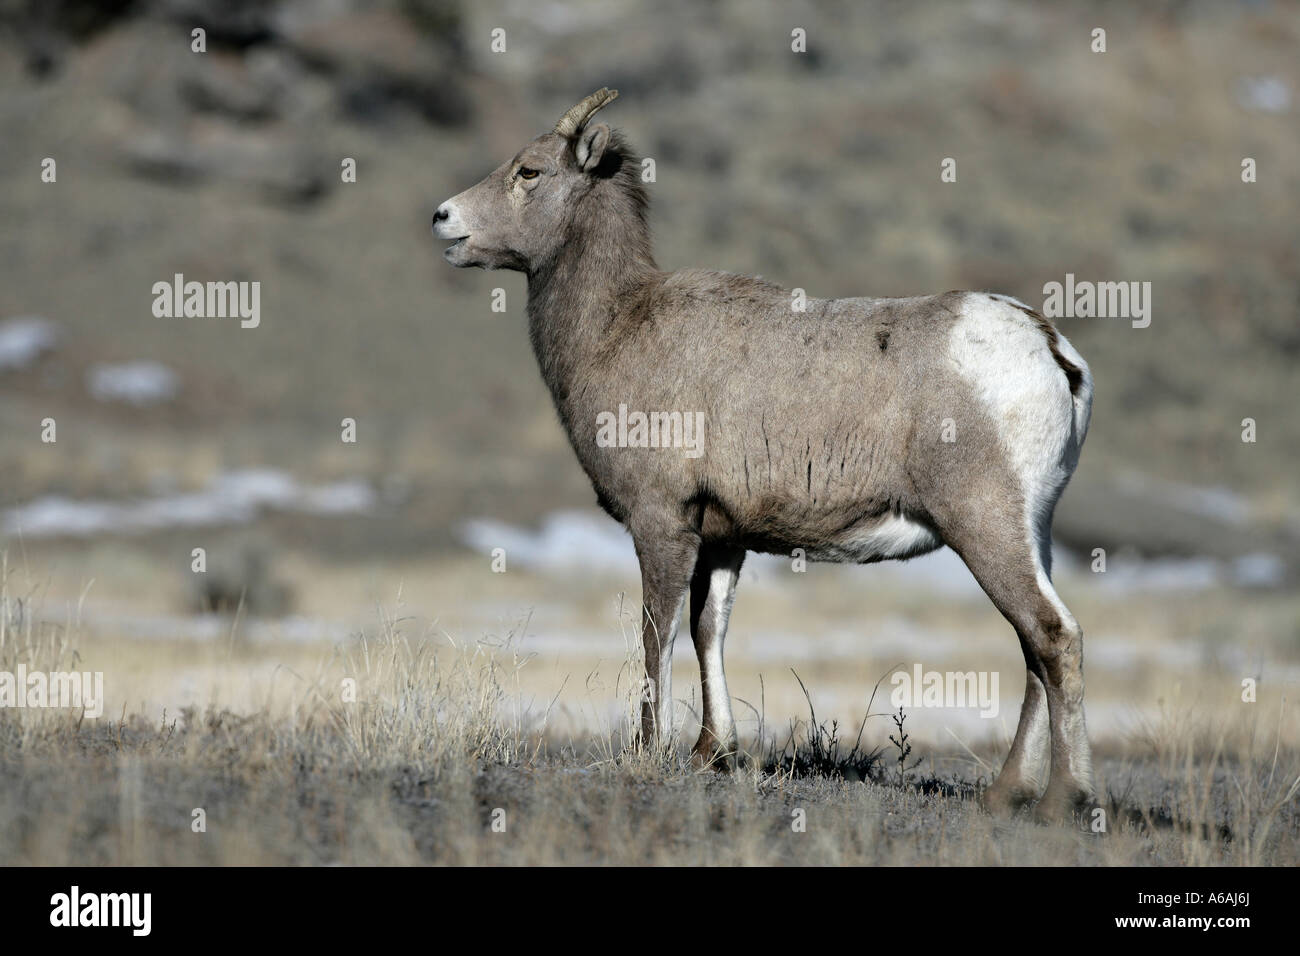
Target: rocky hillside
<point>818,169</point>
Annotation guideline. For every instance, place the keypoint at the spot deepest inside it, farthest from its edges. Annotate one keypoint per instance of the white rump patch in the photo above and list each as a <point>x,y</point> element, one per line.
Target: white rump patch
<point>1007,359</point>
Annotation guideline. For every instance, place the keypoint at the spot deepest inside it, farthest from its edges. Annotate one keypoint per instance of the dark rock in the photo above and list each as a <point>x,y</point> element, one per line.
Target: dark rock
<point>238,23</point>
<point>378,59</point>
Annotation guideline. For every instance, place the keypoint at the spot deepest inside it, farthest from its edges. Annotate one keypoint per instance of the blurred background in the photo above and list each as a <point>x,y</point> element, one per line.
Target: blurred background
<point>817,169</point>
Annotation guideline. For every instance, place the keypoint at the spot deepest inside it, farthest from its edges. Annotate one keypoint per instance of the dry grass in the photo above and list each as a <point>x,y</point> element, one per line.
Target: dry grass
<point>439,740</point>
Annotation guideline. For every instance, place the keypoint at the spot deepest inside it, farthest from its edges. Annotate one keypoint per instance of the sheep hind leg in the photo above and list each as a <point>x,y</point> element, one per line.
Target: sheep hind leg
<point>1013,571</point>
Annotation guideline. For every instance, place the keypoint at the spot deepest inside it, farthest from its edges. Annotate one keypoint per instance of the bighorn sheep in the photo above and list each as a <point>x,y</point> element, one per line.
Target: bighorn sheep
<point>857,429</point>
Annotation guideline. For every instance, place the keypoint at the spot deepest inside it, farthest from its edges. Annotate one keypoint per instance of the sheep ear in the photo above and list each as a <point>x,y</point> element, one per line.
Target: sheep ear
<point>592,140</point>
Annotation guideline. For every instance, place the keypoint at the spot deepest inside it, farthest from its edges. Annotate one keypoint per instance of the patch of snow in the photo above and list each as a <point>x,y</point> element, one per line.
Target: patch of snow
<point>138,383</point>
<point>1264,94</point>
<point>1258,570</point>
<point>566,540</point>
<point>25,339</point>
<point>231,498</point>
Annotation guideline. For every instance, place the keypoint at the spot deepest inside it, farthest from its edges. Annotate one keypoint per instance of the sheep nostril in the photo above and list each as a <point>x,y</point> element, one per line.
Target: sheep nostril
<point>440,215</point>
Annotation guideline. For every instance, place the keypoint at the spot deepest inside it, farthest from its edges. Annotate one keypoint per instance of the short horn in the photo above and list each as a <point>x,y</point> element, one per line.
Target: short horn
<point>573,120</point>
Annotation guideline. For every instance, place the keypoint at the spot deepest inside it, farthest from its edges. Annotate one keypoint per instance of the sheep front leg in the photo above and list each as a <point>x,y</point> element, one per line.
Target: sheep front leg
<point>666,566</point>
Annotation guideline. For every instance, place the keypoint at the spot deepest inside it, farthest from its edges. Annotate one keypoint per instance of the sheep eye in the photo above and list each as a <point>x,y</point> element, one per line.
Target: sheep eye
<point>526,173</point>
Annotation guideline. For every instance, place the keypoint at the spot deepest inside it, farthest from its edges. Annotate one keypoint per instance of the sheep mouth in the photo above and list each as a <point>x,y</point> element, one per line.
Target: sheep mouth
<point>458,253</point>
